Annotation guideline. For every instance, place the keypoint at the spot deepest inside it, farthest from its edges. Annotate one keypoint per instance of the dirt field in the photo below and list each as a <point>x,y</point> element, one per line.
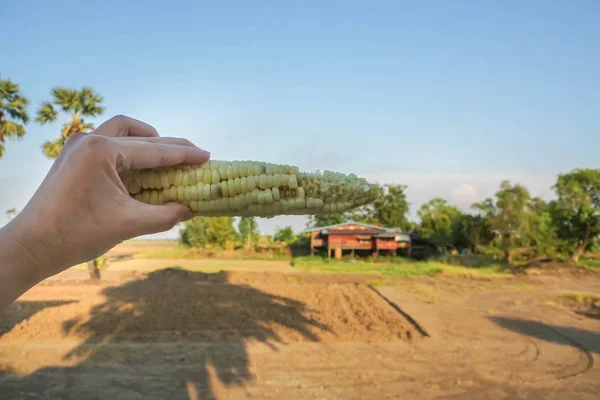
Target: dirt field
<point>173,333</point>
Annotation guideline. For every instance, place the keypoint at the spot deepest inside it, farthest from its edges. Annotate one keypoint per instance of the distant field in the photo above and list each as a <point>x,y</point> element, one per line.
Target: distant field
<point>147,256</point>
<point>400,268</point>
<point>150,255</point>
<point>134,247</point>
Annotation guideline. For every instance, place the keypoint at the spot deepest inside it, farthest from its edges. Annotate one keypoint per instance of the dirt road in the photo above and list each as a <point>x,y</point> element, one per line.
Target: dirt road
<point>189,335</point>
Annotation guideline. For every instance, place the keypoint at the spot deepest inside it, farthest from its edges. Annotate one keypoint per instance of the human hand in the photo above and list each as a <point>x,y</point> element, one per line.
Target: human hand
<point>82,209</point>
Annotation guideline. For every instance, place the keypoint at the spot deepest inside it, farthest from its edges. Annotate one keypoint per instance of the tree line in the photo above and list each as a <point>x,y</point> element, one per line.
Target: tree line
<point>512,219</point>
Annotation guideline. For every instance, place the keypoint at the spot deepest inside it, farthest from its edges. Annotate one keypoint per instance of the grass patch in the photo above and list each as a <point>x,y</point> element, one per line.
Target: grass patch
<point>469,260</point>
<point>587,304</point>
<point>398,268</point>
<point>580,298</point>
<point>173,252</point>
<point>593,265</point>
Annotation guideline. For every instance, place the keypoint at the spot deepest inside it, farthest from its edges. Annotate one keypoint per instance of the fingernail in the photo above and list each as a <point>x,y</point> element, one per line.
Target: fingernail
<point>187,215</point>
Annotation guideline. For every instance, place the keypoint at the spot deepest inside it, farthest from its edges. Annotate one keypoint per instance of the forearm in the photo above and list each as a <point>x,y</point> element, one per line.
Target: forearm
<point>19,268</point>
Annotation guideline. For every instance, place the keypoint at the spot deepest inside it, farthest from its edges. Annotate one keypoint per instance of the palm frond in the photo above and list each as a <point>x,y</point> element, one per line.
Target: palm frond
<point>1,150</point>
<point>17,109</point>
<point>66,99</point>
<point>53,149</point>
<point>12,129</point>
<point>86,127</point>
<point>46,113</point>
<point>12,103</point>
<point>90,101</point>
<point>8,88</point>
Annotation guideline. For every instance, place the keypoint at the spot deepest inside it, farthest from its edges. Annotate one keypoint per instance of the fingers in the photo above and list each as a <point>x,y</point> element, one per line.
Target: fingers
<point>120,126</point>
<point>163,140</point>
<point>145,219</point>
<point>140,155</point>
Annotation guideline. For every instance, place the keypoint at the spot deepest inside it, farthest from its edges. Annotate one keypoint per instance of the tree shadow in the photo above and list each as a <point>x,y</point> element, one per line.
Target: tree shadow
<point>21,310</point>
<point>173,333</point>
<point>565,335</point>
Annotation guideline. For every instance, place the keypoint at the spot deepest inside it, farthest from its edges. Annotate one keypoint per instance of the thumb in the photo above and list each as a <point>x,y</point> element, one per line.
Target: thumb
<point>148,219</point>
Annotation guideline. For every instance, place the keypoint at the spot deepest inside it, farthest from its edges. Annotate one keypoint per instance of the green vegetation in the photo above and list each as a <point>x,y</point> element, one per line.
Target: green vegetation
<point>587,304</point>
<point>396,267</point>
<point>437,218</point>
<point>577,210</point>
<point>284,235</point>
<point>13,112</point>
<point>590,264</point>
<point>581,298</point>
<point>202,232</point>
<point>248,231</point>
<point>76,104</point>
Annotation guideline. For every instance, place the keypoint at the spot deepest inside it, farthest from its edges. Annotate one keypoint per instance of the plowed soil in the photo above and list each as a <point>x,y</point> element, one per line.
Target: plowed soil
<point>173,333</point>
<point>174,304</point>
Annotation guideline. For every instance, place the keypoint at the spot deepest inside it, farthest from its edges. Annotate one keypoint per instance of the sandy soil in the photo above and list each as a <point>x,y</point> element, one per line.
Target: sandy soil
<point>191,335</point>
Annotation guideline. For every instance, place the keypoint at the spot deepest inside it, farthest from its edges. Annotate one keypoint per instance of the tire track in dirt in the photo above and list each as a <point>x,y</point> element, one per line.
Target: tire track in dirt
<point>585,356</point>
<point>585,361</point>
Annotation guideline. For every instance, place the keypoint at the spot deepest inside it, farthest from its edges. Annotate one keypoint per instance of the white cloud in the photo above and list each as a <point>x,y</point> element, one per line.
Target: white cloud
<point>464,195</point>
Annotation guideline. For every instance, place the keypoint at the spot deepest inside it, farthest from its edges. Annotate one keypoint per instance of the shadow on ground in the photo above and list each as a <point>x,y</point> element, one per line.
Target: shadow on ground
<point>564,335</point>
<point>173,333</point>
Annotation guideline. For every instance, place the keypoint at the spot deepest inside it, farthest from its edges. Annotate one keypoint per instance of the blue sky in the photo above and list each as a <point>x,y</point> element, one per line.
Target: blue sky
<point>448,97</point>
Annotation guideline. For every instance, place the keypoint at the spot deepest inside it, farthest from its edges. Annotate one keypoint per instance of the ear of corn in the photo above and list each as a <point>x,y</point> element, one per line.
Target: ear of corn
<point>250,189</point>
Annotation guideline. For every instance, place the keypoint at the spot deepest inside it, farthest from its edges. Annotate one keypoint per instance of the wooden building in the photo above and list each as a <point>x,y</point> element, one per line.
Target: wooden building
<point>353,236</point>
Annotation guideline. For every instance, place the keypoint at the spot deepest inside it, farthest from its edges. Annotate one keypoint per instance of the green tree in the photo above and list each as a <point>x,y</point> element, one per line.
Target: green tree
<point>193,232</point>
<point>318,220</point>
<point>77,105</point>
<point>509,214</point>
<point>220,231</point>
<point>541,230</point>
<point>249,232</point>
<point>486,208</point>
<point>284,235</point>
<point>472,231</point>
<point>13,112</point>
<point>437,217</point>
<point>576,212</point>
<point>391,208</point>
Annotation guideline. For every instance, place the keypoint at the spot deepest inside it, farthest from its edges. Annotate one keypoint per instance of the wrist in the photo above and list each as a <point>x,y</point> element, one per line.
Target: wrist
<point>25,247</point>
<point>20,268</point>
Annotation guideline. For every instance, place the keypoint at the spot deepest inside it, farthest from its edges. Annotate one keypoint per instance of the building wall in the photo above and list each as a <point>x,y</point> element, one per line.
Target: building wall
<point>386,244</point>
<point>350,241</point>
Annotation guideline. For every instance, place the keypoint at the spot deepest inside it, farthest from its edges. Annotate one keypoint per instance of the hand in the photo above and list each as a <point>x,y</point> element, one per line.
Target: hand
<point>81,210</point>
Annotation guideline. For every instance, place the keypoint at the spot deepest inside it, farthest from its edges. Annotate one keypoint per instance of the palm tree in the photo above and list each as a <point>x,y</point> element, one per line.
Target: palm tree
<point>76,104</point>
<point>13,112</point>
